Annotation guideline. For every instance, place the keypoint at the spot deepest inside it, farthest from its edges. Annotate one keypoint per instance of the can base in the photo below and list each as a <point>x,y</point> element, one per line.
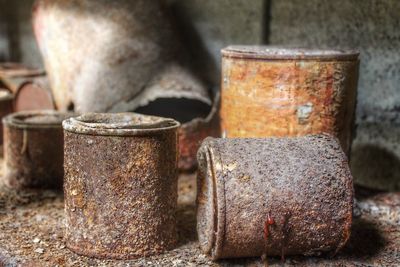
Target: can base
<point>111,256</point>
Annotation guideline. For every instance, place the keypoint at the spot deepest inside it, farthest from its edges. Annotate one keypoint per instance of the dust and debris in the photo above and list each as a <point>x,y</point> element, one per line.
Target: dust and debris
<point>375,240</point>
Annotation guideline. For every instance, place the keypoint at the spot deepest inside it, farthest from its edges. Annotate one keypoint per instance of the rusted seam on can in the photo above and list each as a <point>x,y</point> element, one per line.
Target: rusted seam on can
<point>220,211</point>
<point>24,141</point>
<point>33,148</point>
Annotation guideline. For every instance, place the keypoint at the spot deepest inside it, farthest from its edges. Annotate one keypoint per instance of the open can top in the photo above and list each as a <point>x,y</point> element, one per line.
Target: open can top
<point>37,119</point>
<point>120,124</point>
<point>289,53</point>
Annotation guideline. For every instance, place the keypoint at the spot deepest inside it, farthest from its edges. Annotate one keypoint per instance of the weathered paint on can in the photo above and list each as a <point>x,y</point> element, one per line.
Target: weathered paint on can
<point>270,91</point>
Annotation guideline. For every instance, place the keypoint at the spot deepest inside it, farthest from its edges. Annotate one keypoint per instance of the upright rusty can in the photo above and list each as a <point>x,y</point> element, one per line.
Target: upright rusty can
<point>273,196</point>
<point>33,149</point>
<point>6,107</point>
<point>120,184</point>
<point>269,91</point>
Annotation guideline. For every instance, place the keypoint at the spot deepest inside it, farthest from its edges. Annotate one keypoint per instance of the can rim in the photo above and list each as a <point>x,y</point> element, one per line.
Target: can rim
<point>289,53</point>
<point>118,124</point>
<point>20,119</point>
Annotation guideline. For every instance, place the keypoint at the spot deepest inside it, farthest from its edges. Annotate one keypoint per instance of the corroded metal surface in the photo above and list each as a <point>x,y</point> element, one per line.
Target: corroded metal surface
<point>6,107</point>
<point>273,196</point>
<point>270,91</point>
<point>33,149</point>
<point>120,185</point>
<point>192,133</point>
<point>137,58</point>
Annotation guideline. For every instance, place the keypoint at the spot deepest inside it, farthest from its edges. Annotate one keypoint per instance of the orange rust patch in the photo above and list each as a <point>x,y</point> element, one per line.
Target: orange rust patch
<point>263,98</point>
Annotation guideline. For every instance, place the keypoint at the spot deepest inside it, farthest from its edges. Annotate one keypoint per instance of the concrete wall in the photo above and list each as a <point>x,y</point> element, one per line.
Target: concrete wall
<point>17,42</point>
<point>210,25</point>
<point>373,27</point>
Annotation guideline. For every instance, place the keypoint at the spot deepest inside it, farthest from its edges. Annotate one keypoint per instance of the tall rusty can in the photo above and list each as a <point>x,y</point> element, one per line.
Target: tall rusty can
<point>33,149</point>
<point>270,91</point>
<point>120,184</point>
<point>273,196</point>
<point>6,107</point>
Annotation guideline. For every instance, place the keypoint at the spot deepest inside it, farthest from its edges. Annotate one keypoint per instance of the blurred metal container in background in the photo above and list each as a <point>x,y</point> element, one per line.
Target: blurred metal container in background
<point>30,87</point>
<point>139,63</point>
<point>272,91</point>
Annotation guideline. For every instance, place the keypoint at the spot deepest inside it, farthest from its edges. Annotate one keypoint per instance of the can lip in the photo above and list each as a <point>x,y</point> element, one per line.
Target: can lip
<point>288,53</point>
<point>5,95</point>
<point>37,119</point>
<point>118,124</point>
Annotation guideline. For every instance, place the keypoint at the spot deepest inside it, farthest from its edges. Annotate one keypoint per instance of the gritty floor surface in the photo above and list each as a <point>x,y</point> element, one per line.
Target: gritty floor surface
<point>32,222</point>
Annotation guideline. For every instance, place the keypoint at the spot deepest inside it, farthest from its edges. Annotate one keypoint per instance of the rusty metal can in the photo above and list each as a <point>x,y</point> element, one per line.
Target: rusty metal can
<point>270,91</point>
<point>6,107</point>
<point>33,149</point>
<point>273,196</point>
<point>120,184</point>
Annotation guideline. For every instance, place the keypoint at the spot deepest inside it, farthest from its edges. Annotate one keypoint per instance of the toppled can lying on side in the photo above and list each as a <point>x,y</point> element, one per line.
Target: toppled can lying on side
<point>33,149</point>
<point>273,196</point>
<point>120,184</point>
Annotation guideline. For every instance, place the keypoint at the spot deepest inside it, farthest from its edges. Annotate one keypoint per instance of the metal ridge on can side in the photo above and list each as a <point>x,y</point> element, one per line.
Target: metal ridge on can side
<point>288,53</point>
<point>118,124</point>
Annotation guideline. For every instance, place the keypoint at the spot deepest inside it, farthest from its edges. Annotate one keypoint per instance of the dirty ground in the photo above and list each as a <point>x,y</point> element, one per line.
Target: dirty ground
<point>31,234</point>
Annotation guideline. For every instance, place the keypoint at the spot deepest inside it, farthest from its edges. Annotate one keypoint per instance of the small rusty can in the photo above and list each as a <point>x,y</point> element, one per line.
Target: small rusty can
<point>33,149</point>
<point>6,107</point>
<point>273,196</point>
<point>270,91</point>
<point>120,184</point>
